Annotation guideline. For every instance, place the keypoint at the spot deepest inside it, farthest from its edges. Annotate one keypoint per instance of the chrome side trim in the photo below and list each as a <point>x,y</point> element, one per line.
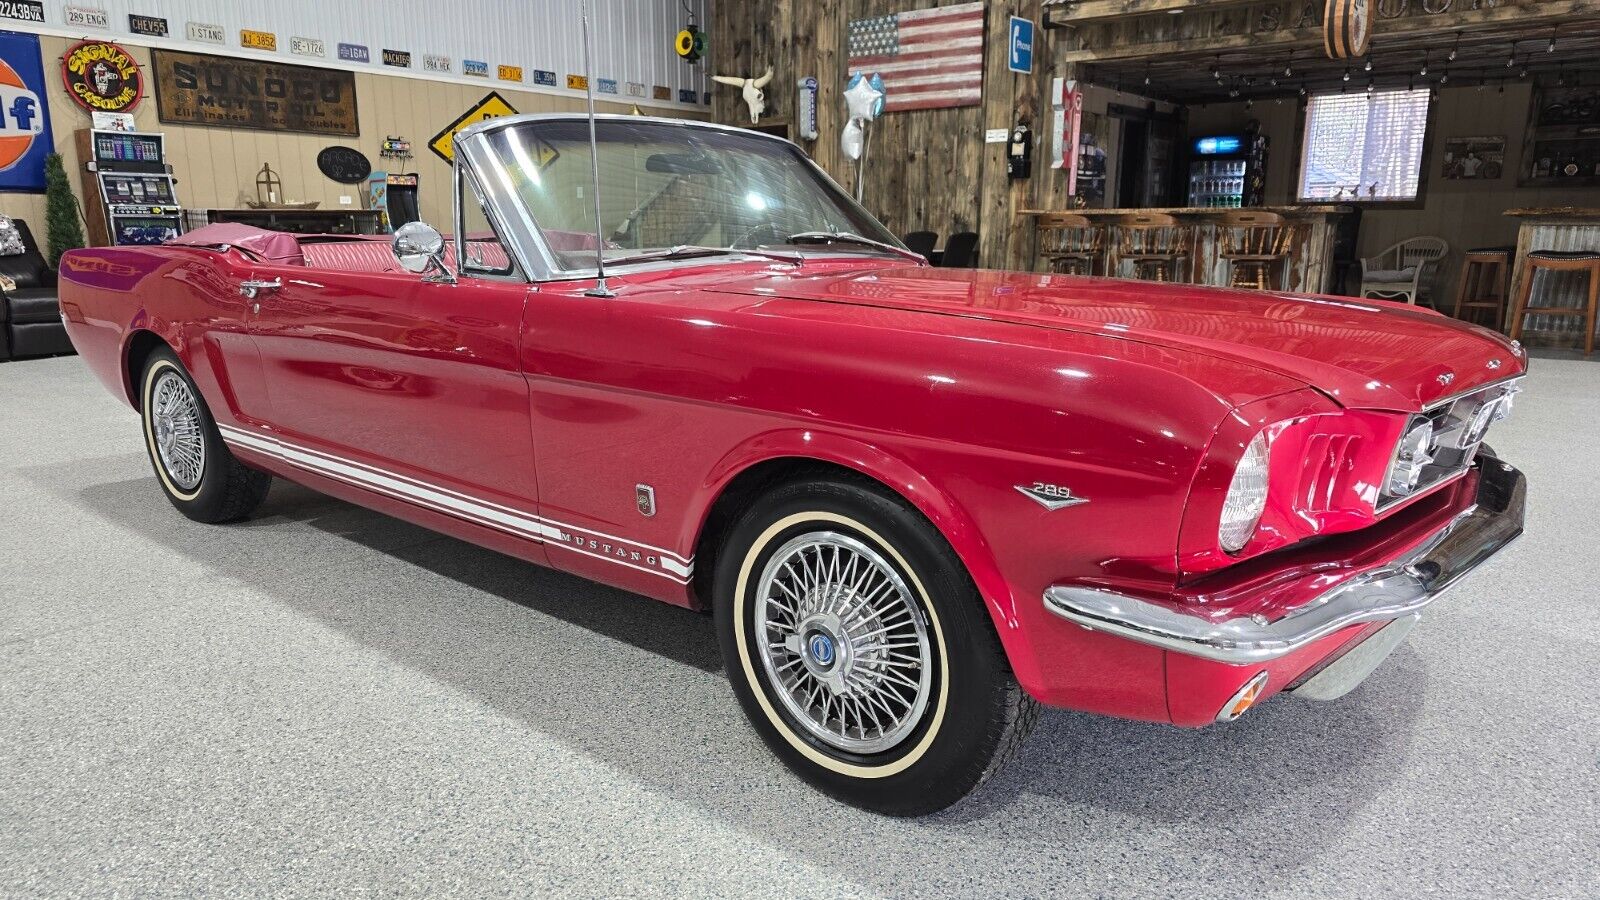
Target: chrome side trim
<point>1390,591</point>
<point>477,510</point>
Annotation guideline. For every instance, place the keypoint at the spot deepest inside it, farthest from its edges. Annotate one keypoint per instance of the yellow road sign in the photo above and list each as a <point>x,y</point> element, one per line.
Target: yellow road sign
<point>491,106</point>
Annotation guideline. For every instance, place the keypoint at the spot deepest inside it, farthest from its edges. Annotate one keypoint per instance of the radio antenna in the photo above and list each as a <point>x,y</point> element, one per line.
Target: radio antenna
<point>599,289</point>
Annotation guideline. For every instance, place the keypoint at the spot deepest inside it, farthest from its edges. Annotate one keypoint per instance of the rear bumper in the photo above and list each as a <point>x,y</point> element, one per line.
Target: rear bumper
<point>1391,590</point>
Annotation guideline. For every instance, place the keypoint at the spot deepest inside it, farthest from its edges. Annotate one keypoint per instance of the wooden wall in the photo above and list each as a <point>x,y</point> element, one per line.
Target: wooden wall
<point>216,167</point>
<point>926,169</point>
<point>1467,214</point>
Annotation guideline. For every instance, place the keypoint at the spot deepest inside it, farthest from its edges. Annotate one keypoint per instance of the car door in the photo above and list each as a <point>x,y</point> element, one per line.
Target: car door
<point>404,385</point>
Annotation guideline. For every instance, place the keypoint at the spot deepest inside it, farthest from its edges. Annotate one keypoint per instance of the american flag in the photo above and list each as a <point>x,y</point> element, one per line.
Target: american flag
<point>928,58</point>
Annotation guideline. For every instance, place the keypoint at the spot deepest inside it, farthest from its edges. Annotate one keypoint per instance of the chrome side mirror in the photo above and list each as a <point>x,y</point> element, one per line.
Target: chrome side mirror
<point>420,249</point>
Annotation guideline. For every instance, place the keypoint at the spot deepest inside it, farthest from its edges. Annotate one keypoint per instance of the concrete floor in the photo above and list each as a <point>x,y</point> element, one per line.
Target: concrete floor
<point>324,701</point>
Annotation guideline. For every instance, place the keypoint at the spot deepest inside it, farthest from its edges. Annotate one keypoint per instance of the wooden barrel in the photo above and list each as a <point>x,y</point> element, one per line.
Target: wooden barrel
<point>1346,28</point>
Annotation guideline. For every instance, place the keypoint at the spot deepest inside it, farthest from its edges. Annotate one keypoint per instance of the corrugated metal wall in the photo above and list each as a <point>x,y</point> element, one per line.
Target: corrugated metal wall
<point>633,39</point>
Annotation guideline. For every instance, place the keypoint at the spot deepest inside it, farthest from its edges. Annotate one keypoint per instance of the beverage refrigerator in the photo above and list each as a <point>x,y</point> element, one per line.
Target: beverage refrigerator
<point>1228,170</point>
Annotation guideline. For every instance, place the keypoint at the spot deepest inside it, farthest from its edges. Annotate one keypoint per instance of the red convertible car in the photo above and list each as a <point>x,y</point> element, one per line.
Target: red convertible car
<point>919,502</point>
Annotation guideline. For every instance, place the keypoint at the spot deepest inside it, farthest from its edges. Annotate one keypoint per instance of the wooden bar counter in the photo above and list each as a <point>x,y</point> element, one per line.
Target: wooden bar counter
<point>1554,228</point>
<point>1310,267</point>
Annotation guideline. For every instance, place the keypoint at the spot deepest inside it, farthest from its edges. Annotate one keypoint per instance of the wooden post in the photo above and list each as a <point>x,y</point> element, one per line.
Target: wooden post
<point>1005,239</point>
<point>94,211</point>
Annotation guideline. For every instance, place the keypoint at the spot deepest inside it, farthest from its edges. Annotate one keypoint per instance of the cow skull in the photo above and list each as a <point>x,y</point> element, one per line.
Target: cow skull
<point>753,97</point>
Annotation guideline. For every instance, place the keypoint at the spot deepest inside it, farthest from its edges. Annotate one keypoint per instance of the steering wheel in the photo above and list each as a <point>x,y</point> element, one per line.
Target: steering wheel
<point>748,241</point>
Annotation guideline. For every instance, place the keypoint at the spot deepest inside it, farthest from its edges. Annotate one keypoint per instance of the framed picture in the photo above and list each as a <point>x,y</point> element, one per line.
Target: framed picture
<point>1474,158</point>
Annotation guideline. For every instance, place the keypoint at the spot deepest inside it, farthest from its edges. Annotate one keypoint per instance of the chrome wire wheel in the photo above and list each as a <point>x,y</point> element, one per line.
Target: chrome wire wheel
<point>177,430</point>
<point>844,643</point>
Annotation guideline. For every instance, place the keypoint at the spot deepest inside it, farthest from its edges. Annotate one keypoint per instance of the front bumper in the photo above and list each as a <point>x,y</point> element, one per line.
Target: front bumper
<point>1398,588</point>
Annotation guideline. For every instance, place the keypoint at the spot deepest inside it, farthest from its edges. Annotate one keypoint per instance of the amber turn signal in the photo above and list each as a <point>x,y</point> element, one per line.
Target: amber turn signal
<point>1244,699</point>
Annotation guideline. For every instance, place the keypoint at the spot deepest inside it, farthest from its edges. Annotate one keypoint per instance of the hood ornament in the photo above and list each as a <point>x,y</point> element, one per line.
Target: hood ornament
<point>1446,377</point>
<point>1494,363</point>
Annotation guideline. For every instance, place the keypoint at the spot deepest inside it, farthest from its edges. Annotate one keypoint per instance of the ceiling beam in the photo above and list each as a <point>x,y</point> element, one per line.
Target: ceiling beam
<point>1072,14</point>
<point>1287,39</point>
<point>1553,12</point>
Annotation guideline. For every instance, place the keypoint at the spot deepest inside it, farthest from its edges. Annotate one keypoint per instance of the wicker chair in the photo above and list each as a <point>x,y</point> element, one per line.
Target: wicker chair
<point>1404,271</point>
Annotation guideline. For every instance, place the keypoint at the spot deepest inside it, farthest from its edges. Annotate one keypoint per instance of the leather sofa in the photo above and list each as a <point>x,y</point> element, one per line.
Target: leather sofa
<point>30,316</point>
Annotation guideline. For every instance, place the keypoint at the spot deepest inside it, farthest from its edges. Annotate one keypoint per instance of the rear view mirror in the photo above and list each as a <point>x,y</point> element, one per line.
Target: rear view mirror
<point>682,164</point>
<point>420,248</point>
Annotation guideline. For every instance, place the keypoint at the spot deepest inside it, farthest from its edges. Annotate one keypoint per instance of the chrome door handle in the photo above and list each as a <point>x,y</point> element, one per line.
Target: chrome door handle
<point>251,288</point>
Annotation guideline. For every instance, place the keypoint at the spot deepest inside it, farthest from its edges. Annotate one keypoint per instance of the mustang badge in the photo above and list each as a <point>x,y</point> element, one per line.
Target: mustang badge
<point>1050,496</point>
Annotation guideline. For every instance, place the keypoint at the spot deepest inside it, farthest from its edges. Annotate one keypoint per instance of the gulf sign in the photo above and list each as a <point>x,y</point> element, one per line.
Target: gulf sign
<point>24,118</point>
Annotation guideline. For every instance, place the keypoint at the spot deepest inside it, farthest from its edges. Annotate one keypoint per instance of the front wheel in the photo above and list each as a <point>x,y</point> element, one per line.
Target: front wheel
<point>861,651</point>
<point>196,470</point>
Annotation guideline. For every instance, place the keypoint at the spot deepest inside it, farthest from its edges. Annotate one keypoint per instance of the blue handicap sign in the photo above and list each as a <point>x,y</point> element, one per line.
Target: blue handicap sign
<point>1021,57</point>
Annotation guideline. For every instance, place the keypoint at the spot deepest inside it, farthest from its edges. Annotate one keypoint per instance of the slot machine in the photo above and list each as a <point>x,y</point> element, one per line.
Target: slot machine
<point>137,192</point>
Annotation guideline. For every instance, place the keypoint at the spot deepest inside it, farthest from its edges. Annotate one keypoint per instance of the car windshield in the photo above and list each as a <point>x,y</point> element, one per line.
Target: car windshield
<point>665,187</point>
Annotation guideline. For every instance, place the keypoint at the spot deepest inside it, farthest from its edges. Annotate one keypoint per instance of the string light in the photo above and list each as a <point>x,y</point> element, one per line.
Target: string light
<point>1346,73</point>
<point>1424,72</point>
<point>1454,48</point>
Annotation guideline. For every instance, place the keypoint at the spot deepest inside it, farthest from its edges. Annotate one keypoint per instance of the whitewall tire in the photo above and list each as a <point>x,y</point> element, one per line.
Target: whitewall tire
<point>193,466</point>
<point>861,651</point>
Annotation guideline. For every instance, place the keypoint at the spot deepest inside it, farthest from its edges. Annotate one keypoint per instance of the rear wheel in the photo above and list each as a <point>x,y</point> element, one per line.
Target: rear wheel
<point>861,651</point>
<point>196,470</point>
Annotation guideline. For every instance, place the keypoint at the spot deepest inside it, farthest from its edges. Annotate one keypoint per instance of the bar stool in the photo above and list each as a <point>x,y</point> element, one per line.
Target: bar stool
<point>1254,243</point>
<point>1586,261</point>
<point>1156,243</point>
<point>1485,283</point>
<point>1073,244</point>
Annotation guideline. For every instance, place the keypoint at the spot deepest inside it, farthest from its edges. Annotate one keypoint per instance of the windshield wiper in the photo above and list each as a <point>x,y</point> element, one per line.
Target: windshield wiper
<point>690,251</point>
<point>848,237</point>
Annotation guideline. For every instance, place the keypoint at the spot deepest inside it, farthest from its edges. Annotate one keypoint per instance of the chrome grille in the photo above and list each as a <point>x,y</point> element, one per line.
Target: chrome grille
<point>1457,427</point>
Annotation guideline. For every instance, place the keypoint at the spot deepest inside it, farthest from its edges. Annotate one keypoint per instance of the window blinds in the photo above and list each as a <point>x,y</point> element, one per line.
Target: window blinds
<point>1364,146</point>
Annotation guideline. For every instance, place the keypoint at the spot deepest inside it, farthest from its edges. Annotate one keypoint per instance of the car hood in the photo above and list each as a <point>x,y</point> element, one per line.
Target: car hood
<point>1362,353</point>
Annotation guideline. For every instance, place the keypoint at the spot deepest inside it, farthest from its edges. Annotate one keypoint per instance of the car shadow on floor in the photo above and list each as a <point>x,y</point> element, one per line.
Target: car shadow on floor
<point>636,686</point>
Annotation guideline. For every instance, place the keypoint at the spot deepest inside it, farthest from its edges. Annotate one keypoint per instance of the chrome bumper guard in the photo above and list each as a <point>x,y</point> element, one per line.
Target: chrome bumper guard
<point>1391,591</point>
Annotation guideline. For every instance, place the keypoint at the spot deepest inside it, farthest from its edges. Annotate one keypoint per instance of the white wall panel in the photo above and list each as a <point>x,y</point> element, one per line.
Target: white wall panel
<point>632,38</point>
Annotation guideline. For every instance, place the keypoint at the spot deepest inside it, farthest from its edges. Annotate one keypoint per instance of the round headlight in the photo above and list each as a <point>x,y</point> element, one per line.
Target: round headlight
<point>1247,497</point>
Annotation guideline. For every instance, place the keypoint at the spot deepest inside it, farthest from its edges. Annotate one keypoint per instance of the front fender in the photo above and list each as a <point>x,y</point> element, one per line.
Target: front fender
<point>895,472</point>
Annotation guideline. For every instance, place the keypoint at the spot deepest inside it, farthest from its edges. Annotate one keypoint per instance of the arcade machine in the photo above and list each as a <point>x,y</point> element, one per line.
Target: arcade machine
<point>394,194</point>
<point>136,192</point>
